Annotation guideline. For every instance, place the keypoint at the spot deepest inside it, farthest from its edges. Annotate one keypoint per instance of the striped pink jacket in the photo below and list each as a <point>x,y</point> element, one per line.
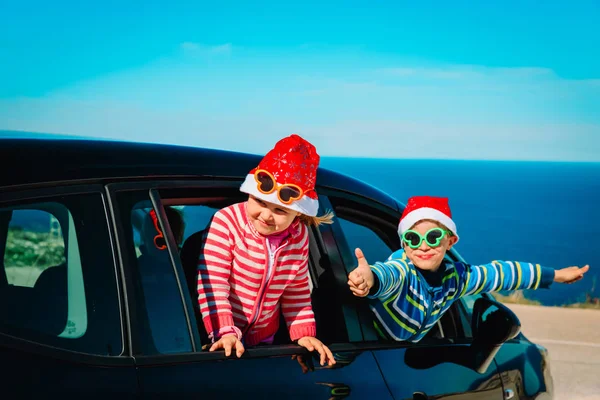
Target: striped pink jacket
<point>236,287</point>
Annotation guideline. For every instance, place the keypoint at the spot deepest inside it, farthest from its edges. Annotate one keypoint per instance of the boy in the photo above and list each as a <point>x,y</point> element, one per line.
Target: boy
<point>417,284</point>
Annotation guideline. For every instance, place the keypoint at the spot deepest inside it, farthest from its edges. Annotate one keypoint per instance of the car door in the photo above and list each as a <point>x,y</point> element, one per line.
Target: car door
<point>523,365</point>
<point>60,317</point>
<point>168,338</point>
<point>438,366</point>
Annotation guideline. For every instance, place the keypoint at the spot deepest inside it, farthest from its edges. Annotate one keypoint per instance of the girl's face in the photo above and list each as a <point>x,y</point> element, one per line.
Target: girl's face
<point>426,257</point>
<point>269,218</point>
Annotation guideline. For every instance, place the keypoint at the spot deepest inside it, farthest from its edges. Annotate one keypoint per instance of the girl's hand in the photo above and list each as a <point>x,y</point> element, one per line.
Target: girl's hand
<point>229,342</point>
<point>570,274</point>
<point>311,344</point>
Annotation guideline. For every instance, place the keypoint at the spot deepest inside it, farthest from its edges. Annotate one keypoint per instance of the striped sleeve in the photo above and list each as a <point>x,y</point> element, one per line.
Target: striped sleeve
<point>214,268</point>
<point>296,302</point>
<point>504,275</point>
<point>390,275</point>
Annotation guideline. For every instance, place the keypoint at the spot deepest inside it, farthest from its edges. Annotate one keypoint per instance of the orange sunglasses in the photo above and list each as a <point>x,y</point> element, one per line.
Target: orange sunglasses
<point>286,193</point>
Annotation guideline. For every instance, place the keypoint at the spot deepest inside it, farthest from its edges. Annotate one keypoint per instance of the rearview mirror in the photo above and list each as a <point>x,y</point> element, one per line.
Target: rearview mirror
<point>492,324</point>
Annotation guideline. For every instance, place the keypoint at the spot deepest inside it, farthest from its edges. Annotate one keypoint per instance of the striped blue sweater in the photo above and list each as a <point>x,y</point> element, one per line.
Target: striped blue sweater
<point>407,307</point>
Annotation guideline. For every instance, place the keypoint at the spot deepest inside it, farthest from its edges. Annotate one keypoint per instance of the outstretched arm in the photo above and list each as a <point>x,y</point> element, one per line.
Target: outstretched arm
<point>515,275</point>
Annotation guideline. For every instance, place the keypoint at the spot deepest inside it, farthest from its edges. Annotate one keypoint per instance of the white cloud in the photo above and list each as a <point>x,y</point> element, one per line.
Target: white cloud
<point>198,48</point>
<point>398,139</point>
<point>469,112</point>
<point>190,46</point>
<point>350,137</point>
<point>471,72</point>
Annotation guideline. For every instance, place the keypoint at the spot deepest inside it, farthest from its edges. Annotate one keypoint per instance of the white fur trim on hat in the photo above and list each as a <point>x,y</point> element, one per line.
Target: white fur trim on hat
<point>426,213</point>
<point>304,205</point>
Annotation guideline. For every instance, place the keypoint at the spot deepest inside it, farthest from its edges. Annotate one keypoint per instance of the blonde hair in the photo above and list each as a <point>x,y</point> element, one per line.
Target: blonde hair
<point>327,218</point>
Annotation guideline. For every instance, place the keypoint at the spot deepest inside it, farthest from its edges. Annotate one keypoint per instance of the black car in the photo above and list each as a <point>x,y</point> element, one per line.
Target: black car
<point>98,299</point>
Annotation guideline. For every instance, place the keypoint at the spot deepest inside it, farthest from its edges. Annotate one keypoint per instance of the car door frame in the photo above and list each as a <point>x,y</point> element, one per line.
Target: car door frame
<point>374,204</point>
<point>166,183</point>
<point>370,340</point>
<point>31,193</point>
<point>154,186</point>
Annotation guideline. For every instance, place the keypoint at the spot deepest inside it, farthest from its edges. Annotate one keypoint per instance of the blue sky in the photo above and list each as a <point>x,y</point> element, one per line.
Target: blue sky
<point>475,80</point>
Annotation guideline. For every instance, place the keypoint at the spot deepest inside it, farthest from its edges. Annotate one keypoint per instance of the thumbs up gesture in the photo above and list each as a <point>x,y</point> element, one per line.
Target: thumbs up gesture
<point>361,278</point>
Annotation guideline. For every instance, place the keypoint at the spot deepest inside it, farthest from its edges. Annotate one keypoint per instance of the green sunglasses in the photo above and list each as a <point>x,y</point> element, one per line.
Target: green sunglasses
<point>432,237</point>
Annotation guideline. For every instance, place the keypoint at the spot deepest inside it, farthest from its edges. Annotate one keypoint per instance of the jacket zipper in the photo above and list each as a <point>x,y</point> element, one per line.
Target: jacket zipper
<point>263,289</point>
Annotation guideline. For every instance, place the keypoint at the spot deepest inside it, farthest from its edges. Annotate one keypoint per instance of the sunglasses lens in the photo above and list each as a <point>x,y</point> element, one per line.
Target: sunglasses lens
<point>433,236</point>
<point>289,193</point>
<point>412,239</point>
<point>265,182</point>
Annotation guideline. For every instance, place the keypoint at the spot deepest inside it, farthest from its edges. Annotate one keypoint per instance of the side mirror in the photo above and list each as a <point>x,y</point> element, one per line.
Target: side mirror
<point>492,324</point>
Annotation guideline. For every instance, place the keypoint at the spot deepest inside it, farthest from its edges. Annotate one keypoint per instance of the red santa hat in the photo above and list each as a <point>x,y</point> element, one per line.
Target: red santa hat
<point>419,208</point>
<point>292,165</point>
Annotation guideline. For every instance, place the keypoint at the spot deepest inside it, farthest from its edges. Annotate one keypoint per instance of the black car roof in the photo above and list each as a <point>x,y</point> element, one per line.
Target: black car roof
<point>32,161</point>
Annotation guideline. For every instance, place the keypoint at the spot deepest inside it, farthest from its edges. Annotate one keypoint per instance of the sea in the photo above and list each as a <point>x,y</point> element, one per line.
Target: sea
<point>541,212</point>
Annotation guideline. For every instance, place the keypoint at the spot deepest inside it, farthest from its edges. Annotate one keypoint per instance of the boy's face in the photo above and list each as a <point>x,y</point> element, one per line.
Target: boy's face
<point>426,257</point>
<point>269,218</point>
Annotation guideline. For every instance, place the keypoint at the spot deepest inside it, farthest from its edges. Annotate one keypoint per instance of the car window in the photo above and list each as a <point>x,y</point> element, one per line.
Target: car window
<point>465,309</point>
<point>190,216</point>
<point>59,286</point>
<point>375,234</point>
<point>469,302</point>
<point>372,246</point>
<point>374,249</point>
<point>34,243</point>
<point>160,316</point>
<point>162,323</point>
<point>196,220</point>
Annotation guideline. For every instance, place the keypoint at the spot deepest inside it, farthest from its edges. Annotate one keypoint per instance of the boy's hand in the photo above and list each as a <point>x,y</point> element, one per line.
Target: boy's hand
<point>311,344</point>
<point>570,274</point>
<point>229,342</point>
<point>361,278</point>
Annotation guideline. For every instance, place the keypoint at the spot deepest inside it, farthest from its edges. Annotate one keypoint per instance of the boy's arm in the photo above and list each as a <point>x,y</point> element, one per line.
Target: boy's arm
<point>214,269</point>
<point>505,275</point>
<point>389,276</point>
<point>296,304</point>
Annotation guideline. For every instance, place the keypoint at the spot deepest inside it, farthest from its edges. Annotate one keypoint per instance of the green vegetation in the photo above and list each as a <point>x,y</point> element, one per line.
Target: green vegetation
<point>33,249</point>
<point>515,297</point>
<point>590,302</point>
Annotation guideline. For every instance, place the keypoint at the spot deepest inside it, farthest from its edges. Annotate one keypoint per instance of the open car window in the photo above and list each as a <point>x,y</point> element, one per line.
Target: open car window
<point>188,213</point>
<point>375,233</point>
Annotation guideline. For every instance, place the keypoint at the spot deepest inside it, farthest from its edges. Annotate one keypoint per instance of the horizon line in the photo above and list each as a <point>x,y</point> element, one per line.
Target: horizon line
<point>22,134</point>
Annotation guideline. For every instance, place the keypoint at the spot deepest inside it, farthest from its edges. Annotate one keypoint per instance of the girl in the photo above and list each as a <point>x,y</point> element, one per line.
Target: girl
<point>254,261</point>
